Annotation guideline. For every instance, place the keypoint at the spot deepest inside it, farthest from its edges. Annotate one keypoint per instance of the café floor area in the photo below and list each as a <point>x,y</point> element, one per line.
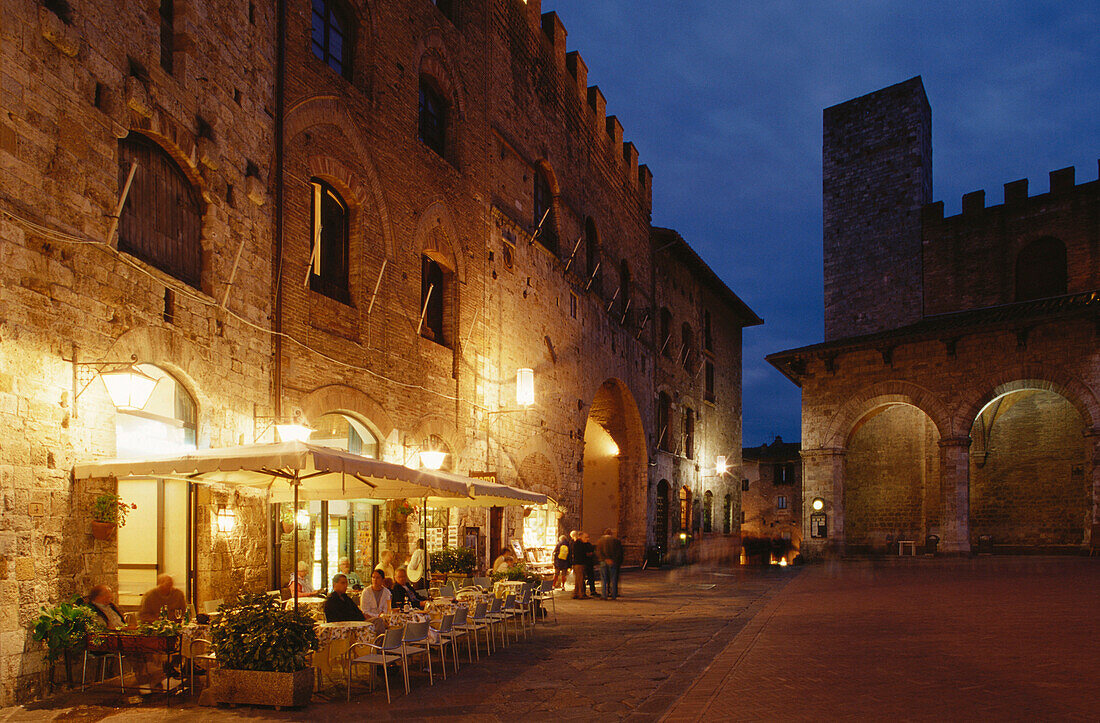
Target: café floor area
<point>908,639</point>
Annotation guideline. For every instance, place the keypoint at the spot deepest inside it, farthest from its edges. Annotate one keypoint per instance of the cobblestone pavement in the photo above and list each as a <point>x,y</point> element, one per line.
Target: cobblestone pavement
<point>630,658</point>
<point>915,639</point>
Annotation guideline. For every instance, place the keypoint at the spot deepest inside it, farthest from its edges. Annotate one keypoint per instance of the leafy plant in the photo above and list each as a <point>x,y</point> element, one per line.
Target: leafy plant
<point>257,633</point>
<point>110,509</point>
<point>460,560</point>
<point>404,508</point>
<point>63,627</point>
<point>515,572</point>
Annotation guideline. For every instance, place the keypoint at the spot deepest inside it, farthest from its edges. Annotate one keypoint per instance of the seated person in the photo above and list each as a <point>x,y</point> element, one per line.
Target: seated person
<point>165,596</point>
<point>339,607</point>
<point>375,600</point>
<point>504,562</point>
<point>353,578</point>
<point>403,591</point>
<point>302,580</point>
<point>101,600</point>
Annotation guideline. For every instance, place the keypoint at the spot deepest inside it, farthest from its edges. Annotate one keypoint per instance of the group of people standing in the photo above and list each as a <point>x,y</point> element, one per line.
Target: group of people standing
<point>576,551</point>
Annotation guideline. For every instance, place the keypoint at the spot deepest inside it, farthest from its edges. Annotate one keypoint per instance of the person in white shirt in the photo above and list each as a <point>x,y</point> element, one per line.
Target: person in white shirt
<point>302,580</point>
<point>375,600</point>
<point>416,567</point>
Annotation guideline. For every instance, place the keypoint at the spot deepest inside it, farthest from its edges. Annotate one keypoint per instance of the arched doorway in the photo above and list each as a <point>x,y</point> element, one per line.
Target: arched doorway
<point>156,538</point>
<point>613,491</point>
<point>891,478</point>
<point>1028,486</point>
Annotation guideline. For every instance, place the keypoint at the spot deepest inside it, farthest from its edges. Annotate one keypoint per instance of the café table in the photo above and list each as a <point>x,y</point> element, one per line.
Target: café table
<point>504,588</point>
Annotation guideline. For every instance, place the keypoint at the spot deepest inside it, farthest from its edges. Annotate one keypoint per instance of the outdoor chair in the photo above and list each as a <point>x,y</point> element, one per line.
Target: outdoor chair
<point>466,582</point>
<point>103,657</point>
<point>502,614</point>
<point>489,618</point>
<point>204,655</point>
<point>526,606</point>
<point>388,646</point>
<point>416,634</point>
<point>447,591</point>
<point>445,630</point>
<point>483,583</point>
<point>459,630</point>
<point>546,592</point>
<point>477,621</point>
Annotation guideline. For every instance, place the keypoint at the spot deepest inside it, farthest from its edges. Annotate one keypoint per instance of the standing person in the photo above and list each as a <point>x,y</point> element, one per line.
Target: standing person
<point>609,550</point>
<point>339,607</point>
<point>589,556</point>
<point>417,567</point>
<point>576,558</point>
<point>561,562</point>
<point>385,564</point>
<point>165,596</point>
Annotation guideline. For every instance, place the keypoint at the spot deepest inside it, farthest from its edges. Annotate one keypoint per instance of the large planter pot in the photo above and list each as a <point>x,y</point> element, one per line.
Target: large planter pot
<point>103,530</point>
<point>288,527</point>
<point>261,687</point>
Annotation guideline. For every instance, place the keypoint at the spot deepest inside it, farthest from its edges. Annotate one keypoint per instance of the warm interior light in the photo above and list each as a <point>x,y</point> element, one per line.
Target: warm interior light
<point>782,562</point>
<point>432,458</point>
<point>525,387</point>
<point>818,504</point>
<point>128,388</point>
<point>303,517</point>
<point>293,432</point>
<point>226,519</point>
<point>721,466</point>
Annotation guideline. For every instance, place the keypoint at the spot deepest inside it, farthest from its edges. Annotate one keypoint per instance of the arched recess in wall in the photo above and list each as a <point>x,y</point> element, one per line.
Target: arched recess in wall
<point>329,110</point>
<point>434,431</point>
<point>614,482</point>
<point>857,407</point>
<point>441,104</point>
<point>892,486</point>
<point>545,194</point>
<point>443,272</point>
<point>1028,482</point>
<point>340,398</point>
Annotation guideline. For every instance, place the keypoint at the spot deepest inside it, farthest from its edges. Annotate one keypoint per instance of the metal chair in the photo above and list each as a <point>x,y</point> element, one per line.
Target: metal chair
<point>483,583</point>
<point>388,651</point>
<point>476,621</point>
<point>546,592</point>
<point>487,618</point>
<point>415,635</point>
<point>502,614</point>
<point>445,630</point>
<point>103,657</point>
<point>205,655</point>
<point>459,629</point>
<point>447,591</point>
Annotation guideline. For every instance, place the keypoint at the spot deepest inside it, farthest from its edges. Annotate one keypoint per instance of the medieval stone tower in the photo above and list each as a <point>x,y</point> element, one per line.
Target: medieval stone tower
<point>877,174</point>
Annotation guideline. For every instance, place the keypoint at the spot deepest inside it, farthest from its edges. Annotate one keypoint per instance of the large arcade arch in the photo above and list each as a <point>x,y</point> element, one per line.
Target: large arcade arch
<point>615,461</point>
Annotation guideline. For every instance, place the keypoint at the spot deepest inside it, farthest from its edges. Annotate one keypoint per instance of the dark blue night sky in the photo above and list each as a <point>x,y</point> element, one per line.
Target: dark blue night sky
<point>723,100</point>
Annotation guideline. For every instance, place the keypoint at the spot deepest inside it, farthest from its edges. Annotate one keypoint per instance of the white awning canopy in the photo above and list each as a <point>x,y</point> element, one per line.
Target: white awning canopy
<point>319,473</point>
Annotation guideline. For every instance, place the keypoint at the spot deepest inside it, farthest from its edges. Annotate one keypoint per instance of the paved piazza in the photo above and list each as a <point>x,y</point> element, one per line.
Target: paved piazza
<point>987,638</point>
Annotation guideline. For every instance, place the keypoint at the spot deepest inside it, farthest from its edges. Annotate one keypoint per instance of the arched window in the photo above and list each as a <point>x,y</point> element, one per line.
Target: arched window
<point>332,35</point>
<point>664,434</point>
<point>161,222</point>
<point>435,283</point>
<point>328,259</point>
<point>543,203</point>
<point>1041,269</point>
<point>687,346</point>
<point>708,511</point>
<point>591,255</point>
<point>687,429</point>
<point>666,332</point>
<point>624,290</point>
<point>727,515</point>
<point>433,123</point>
<point>341,431</point>
<point>685,509</point>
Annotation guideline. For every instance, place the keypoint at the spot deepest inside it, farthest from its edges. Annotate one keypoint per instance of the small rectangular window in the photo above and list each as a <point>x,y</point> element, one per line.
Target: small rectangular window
<point>167,34</point>
<point>744,485</point>
<point>432,118</point>
<point>742,517</point>
<point>781,502</point>
<point>708,376</point>
<point>572,305</point>
<point>689,432</point>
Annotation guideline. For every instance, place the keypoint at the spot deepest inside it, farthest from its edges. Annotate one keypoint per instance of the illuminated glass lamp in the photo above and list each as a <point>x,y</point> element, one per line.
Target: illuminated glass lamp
<point>432,458</point>
<point>129,388</point>
<point>226,519</point>
<point>293,432</point>
<point>303,517</point>
<point>525,387</point>
<point>720,465</point>
<point>818,504</point>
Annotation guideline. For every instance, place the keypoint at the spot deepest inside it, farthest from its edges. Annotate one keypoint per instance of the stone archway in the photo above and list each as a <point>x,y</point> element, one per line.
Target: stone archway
<point>1028,461</point>
<point>613,491</point>
<point>892,487</point>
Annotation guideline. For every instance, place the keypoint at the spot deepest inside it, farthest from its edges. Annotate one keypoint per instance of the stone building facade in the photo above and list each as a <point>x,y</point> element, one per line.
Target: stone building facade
<point>955,394</point>
<point>364,216</point>
<point>771,492</point>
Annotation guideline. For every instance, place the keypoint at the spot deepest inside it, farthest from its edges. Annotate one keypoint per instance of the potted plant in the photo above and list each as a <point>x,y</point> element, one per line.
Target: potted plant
<point>402,510</point>
<point>108,514</point>
<point>63,628</point>
<point>261,650</point>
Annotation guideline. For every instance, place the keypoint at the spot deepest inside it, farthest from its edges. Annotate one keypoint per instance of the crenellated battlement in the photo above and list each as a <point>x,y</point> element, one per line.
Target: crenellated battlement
<point>620,154</point>
<point>1062,182</point>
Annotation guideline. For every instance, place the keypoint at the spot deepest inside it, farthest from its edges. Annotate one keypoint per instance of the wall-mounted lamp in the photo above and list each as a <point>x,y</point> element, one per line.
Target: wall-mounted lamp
<point>128,387</point>
<point>818,504</point>
<point>293,432</point>
<point>525,387</point>
<point>302,517</point>
<point>226,519</point>
<point>287,429</point>
<point>432,458</point>
<point>720,465</point>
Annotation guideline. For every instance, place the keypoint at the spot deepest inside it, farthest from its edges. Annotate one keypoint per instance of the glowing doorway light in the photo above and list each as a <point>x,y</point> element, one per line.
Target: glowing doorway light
<point>525,387</point>
<point>128,388</point>
<point>226,519</point>
<point>293,432</point>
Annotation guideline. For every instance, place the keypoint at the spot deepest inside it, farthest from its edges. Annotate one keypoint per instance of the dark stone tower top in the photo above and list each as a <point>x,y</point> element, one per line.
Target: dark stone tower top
<point>877,174</point>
